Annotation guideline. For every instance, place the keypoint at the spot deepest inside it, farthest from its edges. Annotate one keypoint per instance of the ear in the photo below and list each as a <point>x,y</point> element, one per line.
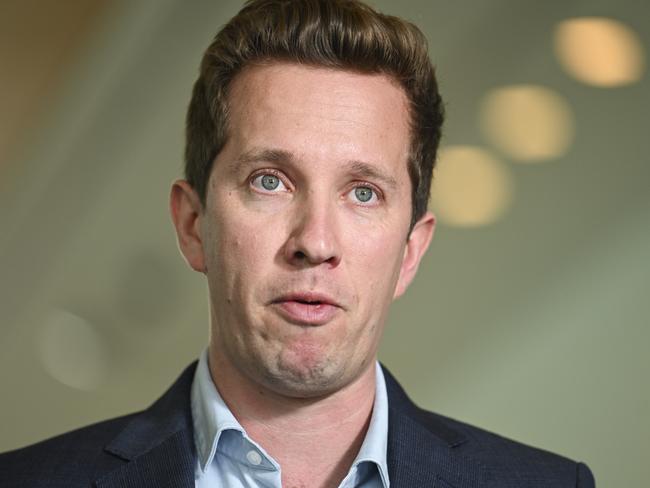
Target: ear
<point>417,244</point>
<point>186,210</point>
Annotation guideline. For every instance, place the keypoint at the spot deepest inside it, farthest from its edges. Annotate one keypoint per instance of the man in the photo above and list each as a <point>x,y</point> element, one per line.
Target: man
<point>311,140</point>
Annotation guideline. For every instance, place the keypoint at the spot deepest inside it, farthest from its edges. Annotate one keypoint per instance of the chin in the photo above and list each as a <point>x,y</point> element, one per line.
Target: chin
<point>305,377</point>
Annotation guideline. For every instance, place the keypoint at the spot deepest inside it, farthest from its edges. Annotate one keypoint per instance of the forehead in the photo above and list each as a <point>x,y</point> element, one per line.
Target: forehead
<point>319,113</point>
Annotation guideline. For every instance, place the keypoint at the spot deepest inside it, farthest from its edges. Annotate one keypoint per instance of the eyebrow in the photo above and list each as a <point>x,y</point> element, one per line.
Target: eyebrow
<point>257,155</point>
<point>360,169</point>
<point>369,171</point>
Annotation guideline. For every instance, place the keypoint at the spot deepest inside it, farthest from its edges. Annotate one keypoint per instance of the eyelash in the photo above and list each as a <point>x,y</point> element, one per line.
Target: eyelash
<point>358,184</point>
<point>271,172</point>
<point>376,192</point>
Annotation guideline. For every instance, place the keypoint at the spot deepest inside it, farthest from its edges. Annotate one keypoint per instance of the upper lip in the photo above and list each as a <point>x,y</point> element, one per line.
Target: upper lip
<point>308,297</point>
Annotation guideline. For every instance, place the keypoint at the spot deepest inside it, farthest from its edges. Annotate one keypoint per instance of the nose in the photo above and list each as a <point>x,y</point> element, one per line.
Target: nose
<point>313,239</point>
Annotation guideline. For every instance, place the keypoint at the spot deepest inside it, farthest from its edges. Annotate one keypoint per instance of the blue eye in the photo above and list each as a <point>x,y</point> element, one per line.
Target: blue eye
<point>268,182</point>
<point>364,194</point>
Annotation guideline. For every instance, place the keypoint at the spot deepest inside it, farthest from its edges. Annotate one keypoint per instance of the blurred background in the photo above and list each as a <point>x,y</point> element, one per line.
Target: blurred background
<point>530,315</point>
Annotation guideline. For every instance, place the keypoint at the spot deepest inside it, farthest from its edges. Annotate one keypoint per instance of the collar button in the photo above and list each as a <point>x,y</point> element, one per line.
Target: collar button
<point>254,458</point>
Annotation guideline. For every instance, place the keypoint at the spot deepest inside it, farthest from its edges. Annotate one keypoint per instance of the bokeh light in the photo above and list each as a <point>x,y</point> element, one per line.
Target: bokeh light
<point>528,123</point>
<point>471,187</point>
<point>599,51</point>
<point>72,351</point>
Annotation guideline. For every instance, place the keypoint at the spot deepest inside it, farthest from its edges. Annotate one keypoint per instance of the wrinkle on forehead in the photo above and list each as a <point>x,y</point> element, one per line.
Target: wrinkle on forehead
<point>325,102</point>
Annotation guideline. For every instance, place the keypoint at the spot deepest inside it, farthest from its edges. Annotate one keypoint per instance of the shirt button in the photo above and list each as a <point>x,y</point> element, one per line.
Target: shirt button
<point>254,458</point>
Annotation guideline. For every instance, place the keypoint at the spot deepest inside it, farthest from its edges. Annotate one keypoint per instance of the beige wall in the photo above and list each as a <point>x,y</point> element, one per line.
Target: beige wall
<point>535,326</point>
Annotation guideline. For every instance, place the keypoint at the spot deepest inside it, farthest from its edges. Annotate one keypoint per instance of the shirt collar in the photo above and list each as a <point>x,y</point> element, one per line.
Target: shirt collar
<point>211,417</point>
<point>375,444</point>
<point>210,414</point>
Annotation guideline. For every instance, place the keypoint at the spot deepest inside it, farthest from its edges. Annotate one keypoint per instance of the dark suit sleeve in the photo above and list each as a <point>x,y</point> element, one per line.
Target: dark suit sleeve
<point>584,477</point>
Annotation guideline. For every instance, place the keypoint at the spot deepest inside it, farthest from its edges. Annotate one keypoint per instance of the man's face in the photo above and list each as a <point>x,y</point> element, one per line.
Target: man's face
<point>305,227</point>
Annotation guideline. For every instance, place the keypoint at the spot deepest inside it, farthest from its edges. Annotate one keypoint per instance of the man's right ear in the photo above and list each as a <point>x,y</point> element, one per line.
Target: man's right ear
<point>186,210</point>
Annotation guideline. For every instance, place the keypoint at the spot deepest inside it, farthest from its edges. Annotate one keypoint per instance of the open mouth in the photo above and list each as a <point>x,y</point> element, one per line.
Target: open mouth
<point>306,309</point>
<point>309,302</point>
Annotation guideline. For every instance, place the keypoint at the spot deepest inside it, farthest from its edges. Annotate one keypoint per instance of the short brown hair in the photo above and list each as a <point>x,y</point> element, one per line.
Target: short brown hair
<point>340,34</point>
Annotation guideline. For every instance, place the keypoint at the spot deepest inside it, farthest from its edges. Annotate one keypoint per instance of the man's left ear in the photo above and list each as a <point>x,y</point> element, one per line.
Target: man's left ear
<point>418,243</point>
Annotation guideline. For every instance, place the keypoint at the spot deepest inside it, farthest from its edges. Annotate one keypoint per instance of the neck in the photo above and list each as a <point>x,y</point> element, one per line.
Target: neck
<point>315,440</point>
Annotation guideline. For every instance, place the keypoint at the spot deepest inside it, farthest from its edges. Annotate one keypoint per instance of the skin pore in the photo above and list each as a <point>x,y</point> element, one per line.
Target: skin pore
<point>304,241</point>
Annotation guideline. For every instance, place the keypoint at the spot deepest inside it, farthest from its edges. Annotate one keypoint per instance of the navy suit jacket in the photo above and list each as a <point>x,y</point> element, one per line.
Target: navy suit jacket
<point>155,448</point>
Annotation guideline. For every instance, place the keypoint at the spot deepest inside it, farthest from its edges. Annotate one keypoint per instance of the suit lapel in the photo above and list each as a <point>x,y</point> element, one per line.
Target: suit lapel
<point>158,444</point>
<point>423,450</point>
<point>170,464</point>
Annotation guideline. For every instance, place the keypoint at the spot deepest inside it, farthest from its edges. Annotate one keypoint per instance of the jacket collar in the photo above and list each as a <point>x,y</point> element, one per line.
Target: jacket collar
<point>158,443</point>
<point>423,450</point>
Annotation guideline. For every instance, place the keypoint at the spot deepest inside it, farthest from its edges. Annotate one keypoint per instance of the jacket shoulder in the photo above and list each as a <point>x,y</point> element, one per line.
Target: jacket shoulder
<point>71,459</point>
<point>513,463</point>
<point>79,457</point>
<point>458,447</point>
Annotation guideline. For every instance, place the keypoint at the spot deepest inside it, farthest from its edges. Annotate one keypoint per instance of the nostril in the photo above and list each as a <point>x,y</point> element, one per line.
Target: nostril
<point>304,252</point>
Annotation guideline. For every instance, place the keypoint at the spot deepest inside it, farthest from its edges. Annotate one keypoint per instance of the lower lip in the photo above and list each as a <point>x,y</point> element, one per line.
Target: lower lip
<point>305,313</point>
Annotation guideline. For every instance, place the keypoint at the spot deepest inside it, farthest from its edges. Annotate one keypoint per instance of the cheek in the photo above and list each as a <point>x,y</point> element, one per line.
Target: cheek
<point>245,247</point>
<point>378,244</point>
<point>374,265</point>
<point>232,250</point>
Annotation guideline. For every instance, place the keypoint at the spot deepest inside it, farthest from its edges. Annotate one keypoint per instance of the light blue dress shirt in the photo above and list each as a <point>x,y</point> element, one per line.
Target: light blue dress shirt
<point>228,457</point>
